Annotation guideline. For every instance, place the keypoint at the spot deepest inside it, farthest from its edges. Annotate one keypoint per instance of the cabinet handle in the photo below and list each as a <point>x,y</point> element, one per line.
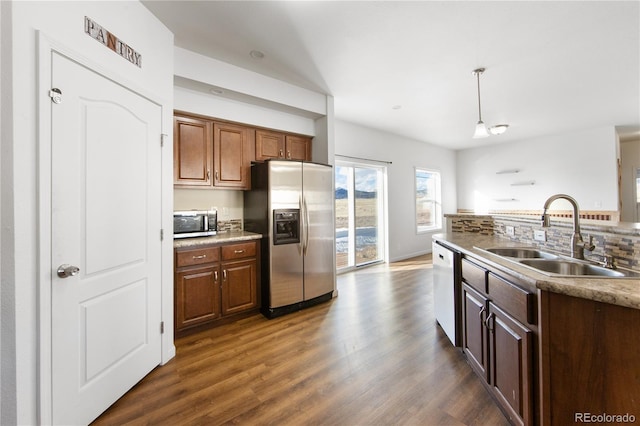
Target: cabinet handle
<point>208,174</point>
<point>487,322</point>
<point>289,155</point>
<point>202,256</point>
<point>281,154</point>
<point>238,251</point>
<point>216,175</point>
<point>224,274</point>
<point>481,312</point>
<point>215,275</point>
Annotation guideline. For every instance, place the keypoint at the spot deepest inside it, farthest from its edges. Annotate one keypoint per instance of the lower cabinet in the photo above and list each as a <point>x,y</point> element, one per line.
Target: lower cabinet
<point>474,332</point>
<point>214,282</point>
<point>197,297</point>
<point>497,343</point>
<point>511,365</point>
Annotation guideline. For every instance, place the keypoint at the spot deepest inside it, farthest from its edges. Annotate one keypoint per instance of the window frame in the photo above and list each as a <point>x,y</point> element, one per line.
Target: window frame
<point>437,201</point>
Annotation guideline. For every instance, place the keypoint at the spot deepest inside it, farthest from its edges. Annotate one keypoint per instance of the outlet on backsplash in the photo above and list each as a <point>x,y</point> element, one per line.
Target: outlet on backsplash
<point>510,230</point>
<point>540,235</point>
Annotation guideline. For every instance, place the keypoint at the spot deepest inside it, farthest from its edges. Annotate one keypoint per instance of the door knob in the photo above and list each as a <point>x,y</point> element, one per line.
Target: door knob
<point>65,271</point>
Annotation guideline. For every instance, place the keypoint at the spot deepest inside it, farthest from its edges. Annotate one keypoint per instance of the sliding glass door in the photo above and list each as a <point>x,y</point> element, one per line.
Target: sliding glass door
<point>360,219</point>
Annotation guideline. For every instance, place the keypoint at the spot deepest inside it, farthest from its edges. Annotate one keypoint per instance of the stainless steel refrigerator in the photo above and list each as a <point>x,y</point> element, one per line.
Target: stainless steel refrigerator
<point>291,205</point>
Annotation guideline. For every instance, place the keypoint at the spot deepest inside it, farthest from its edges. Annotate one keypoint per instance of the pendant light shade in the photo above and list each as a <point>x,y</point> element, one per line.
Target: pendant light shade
<point>481,128</point>
<point>481,131</point>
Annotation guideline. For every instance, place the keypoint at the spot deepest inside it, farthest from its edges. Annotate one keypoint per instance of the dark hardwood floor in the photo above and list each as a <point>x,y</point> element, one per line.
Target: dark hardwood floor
<point>371,356</point>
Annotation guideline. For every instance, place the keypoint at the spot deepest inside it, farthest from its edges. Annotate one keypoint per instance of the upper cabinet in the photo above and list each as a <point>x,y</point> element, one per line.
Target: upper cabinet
<point>281,146</point>
<point>192,151</point>
<point>298,148</point>
<point>211,153</point>
<point>208,153</point>
<point>232,156</point>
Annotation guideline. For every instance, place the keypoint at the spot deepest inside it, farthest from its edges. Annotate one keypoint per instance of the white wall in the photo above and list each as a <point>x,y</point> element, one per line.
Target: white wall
<point>62,22</point>
<point>630,155</point>
<point>197,102</point>
<point>582,164</point>
<point>227,109</point>
<point>404,155</point>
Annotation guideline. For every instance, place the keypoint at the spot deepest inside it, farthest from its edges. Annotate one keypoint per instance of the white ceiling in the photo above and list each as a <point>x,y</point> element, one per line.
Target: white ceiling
<point>552,67</point>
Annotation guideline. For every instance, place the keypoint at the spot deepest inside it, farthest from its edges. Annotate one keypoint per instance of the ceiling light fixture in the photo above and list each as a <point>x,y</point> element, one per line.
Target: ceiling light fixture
<point>481,128</point>
<point>498,129</point>
<point>256,54</point>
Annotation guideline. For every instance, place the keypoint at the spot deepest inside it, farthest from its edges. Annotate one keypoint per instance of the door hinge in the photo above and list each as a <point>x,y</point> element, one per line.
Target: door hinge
<point>163,136</point>
<point>56,95</point>
<point>162,327</point>
<point>162,235</point>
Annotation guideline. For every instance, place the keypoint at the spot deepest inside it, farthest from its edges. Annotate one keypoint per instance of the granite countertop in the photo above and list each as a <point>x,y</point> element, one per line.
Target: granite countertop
<point>616,291</point>
<point>221,237</point>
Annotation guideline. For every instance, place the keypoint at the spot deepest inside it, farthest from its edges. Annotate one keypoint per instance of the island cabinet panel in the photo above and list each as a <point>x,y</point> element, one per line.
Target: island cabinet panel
<point>474,275</point>
<point>215,282</point>
<point>474,337</point>
<point>192,151</point>
<point>590,363</point>
<point>498,333</point>
<point>511,365</point>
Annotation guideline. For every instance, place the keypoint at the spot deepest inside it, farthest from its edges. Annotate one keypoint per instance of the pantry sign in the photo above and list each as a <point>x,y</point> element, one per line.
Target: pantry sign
<point>112,42</point>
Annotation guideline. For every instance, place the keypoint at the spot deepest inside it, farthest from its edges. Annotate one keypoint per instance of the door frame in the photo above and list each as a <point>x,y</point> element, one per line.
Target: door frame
<point>45,48</point>
<point>384,209</point>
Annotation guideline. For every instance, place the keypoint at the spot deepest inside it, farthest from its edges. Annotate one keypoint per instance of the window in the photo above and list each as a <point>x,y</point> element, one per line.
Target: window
<point>428,201</point>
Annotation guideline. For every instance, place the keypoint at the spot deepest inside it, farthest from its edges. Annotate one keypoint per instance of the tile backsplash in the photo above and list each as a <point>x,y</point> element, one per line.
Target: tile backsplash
<point>622,241</point>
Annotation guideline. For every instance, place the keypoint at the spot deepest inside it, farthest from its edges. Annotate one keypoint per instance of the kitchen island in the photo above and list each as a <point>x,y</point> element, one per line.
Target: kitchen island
<point>574,359</point>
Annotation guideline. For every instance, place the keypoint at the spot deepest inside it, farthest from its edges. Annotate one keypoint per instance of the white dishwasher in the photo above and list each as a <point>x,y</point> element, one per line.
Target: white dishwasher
<point>446,290</point>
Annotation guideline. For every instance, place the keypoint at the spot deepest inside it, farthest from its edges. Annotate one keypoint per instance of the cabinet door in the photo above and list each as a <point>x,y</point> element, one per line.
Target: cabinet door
<point>511,363</point>
<point>238,286</point>
<point>231,156</point>
<point>269,145</point>
<point>197,296</point>
<point>298,148</point>
<point>474,334</point>
<point>192,152</point>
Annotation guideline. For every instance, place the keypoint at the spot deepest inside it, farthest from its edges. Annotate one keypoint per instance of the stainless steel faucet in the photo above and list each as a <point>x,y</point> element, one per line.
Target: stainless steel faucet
<point>578,245</point>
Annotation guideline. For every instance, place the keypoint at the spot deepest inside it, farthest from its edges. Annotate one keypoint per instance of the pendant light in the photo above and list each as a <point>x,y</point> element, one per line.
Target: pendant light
<point>481,128</point>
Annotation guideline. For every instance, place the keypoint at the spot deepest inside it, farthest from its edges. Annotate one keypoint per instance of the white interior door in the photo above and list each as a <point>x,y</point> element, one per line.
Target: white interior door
<point>106,220</point>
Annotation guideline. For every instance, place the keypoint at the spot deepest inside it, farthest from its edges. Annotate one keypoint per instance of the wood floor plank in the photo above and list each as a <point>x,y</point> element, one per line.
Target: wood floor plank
<point>372,356</point>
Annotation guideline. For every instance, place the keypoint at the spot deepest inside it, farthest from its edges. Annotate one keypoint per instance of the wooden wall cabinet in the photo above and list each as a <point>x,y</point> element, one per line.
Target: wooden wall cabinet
<point>276,145</point>
<point>298,148</point>
<point>497,343</point>
<point>192,152</point>
<point>232,156</point>
<point>207,153</point>
<point>214,282</point>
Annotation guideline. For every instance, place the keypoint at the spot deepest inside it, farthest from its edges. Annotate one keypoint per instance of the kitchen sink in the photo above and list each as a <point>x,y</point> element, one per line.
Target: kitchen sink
<point>576,268</point>
<point>557,264</point>
<point>521,253</point>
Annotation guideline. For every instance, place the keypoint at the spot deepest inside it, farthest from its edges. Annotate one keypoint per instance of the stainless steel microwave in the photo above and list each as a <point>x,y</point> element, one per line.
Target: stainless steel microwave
<point>195,223</point>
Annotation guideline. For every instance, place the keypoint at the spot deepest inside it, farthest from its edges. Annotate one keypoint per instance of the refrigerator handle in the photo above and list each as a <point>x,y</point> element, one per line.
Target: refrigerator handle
<point>306,226</point>
<point>301,248</point>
